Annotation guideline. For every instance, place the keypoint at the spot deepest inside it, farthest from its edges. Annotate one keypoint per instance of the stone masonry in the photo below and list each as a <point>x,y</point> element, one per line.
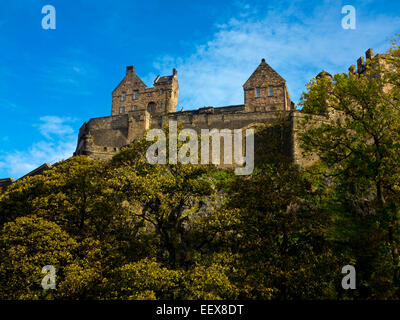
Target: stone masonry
<point>136,108</point>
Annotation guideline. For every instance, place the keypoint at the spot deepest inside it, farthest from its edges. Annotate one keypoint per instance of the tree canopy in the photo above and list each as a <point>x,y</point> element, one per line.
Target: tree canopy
<point>128,229</point>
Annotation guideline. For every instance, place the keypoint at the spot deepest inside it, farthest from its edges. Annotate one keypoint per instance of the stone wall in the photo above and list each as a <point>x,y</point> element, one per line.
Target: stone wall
<point>132,94</point>
<point>265,92</point>
<point>101,138</point>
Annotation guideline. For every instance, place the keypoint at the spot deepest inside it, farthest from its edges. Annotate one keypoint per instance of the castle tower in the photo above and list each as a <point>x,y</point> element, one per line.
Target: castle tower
<point>132,94</point>
<point>266,90</point>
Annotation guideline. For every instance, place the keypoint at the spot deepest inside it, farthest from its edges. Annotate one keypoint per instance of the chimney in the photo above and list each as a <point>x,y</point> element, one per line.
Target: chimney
<point>369,54</point>
<point>130,69</point>
<point>360,65</point>
<point>174,72</point>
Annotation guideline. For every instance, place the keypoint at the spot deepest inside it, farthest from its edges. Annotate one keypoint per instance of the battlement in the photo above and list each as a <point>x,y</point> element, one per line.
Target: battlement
<point>363,62</point>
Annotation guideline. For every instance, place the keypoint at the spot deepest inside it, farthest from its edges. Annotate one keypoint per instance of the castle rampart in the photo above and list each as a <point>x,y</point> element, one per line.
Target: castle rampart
<point>136,108</point>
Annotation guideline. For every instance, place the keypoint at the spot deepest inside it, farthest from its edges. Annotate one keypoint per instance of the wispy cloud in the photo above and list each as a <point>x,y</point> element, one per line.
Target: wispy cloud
<point>55,126</point>
<point>59,143</point>
<point>7,104</point>
<point>296,41</point>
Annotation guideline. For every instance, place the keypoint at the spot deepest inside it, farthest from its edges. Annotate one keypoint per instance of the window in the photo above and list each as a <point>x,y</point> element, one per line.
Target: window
<point>135,94</point>
<point>160,105</point>
<point>151,107</point>
<point>270,91</point>
<point>257,92</point>
<point>105,148</point>
<point>123,96</point>
<point>122,110</point>
<point>161,91</point>
<point>134,107</point>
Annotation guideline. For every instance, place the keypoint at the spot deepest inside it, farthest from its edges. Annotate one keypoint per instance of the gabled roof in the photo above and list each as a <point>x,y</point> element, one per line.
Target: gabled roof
<point>134,78</point>
<point>263,74</point>
<point>38,170</point>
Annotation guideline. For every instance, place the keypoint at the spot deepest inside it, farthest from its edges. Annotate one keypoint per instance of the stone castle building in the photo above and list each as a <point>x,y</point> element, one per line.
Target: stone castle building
<point>136,108</point>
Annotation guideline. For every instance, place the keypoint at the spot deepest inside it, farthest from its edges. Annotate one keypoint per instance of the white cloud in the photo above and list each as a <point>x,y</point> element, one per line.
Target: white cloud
<point>297,43</point>
<point>53,125</point>
<point>59,143</point>
<point>19,163</point>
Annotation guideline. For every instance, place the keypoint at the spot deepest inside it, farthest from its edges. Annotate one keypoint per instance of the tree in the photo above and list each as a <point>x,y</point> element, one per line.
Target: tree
<point>26,246</point>
<point>278,236</point>
<point>165,199</point>
<point>353,125</point>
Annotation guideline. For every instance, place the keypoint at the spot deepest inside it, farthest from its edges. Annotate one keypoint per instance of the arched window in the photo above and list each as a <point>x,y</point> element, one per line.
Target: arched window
<point>151,107</point>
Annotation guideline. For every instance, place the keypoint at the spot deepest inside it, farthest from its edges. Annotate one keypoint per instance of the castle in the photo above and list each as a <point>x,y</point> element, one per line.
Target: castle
<point>136,108</point>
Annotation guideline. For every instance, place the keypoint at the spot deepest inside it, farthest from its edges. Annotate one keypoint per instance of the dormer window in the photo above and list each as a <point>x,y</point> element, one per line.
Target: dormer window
<point>258,92</point>
<point>270,91</point>
<point>123,96</point>
<point>134,107</point>
<point>135,94</point>
<point>122,110</point>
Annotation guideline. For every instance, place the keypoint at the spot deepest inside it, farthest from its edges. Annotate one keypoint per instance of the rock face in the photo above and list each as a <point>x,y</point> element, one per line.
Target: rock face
<point>136,108</point>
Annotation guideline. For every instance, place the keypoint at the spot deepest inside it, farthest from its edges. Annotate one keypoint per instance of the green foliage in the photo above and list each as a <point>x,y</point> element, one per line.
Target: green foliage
<point>357,139</point>
<point>275,227</point>
<point>126,229</point>
<point>27,245</point>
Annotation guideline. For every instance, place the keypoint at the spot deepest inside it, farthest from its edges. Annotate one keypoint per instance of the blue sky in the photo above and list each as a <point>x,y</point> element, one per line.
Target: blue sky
<point>52,81</point>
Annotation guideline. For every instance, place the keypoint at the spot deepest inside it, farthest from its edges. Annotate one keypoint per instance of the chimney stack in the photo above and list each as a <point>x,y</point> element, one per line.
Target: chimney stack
<point>174,72</point>
<point>130,69</point>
